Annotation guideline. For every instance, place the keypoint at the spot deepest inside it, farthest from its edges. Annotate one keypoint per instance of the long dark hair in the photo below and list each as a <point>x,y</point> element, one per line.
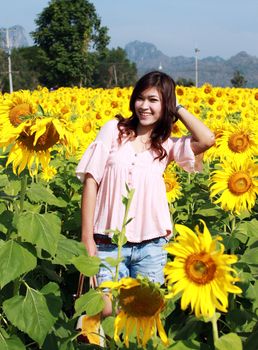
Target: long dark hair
<point>162,129</point>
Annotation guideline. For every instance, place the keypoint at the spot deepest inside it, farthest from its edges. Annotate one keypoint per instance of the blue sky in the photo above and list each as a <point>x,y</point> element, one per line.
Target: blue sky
<point>216,27</point>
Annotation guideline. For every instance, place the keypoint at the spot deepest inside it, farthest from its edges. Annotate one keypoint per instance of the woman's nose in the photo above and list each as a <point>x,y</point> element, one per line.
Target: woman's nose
<point>144,104</point>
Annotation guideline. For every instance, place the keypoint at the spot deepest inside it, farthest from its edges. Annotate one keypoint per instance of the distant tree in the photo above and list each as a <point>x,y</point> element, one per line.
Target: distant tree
<point>67,33</point>
<point>114,69</point>
<point>26,67</point>
<point>185,82</point>
<point>238,79</point>
<point>4,82</point>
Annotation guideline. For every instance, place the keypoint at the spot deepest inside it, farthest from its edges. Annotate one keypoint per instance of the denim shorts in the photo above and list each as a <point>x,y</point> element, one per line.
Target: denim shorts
<point>146,259</point>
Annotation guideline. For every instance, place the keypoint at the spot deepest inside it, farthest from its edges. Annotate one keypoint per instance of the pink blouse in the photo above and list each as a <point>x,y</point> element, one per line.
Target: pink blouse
<point>113,165</point>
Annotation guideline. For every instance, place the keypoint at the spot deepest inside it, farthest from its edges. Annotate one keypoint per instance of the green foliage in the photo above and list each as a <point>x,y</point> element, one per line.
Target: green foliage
<point>10,343</point>
<point>228,342</point>
<point>40,229</point>
<point>87,265</point>
<point>114,69</point>
<point>37,278</point>
<point>16,260</point>
<point>70,50</point>
<point>4,82</point>
<point>185,82</point>
<point>238,80</point>
<point>91,302</point>
<point>25,69</point>
<point>41,258</point>
<point>31,314</point>
<point>67,33</point>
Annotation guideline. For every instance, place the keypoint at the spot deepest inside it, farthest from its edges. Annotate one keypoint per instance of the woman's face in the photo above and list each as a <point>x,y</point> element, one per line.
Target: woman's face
<point>148,107</point>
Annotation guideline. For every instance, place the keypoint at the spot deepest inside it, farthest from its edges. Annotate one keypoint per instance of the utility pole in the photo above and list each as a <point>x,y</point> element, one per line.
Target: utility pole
<point>196,50</point>
<point>8,50</point>
<point>115,75</point>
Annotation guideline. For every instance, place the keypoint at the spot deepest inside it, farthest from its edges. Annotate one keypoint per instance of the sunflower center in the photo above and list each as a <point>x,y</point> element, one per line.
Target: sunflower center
<point>19,111</point>
<point>44,142</point>
<point>170,184</point>
<point>200,268</point>
<point>140,301</point>
<point>87,127</point>
<point>239,183</point>
<point>239,142</point>
<point>175,128</point>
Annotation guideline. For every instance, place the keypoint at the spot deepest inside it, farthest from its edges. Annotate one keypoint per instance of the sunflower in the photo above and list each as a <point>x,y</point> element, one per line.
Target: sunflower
<point>207,88</point>
<point>91,329</point>
<point>34,144</point>
<point>218,129</point>
<point>173,188</point>
<point>16,108</point>
<point>239,141</point>
<point>16,111</point>
<point>178,129</point>
<point>140,303</point>
<point>48,173</point>
<point>237,185</point>
<point>200,271</point>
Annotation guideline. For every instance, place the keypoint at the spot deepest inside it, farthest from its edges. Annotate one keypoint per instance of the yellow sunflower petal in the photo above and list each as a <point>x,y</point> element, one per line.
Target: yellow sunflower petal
<point>202,275</point>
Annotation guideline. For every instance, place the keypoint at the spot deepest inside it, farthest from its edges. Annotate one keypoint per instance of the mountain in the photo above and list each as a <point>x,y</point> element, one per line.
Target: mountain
<point>214,70</point>
<point>17,37</point>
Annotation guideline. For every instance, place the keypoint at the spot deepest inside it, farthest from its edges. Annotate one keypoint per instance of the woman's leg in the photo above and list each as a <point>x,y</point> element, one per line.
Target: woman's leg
<point>107,272</point>
<point>148,260</point>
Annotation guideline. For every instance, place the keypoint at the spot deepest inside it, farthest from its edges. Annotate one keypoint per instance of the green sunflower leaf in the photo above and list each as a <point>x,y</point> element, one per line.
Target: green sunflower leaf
<point>6,218</point>
<point>40,229</point>
<point>30,313</point>
<point>207,212</point>
<point>91,302</point>
<point>67,249</point>
<point>39,193</point>
<point>250,256</point>
<point>113,262</point>
<point>87,265</point>
<point>10,342</point>
<point>12,188</point>
<point>249,227</point>
<point>108,326</point>
<point>228,342</point>
<point>185,345</point>
<point>16,259</point>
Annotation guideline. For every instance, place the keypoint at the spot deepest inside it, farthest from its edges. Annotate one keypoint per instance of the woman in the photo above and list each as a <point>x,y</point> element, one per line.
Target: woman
<point>135,151</point>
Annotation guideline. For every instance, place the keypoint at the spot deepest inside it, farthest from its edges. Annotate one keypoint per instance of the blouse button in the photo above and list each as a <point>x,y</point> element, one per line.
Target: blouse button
<point>133,163</point>
<point>136,154</point>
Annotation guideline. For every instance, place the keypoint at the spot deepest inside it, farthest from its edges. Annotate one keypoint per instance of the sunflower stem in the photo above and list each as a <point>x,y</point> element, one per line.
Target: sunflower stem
<point>23,191</point>
<point>16,286</point>
<point>233,223</point>
<point>121,237</point>
<point>189,178</point>
<point>214,329</point>
<point>171,210</point>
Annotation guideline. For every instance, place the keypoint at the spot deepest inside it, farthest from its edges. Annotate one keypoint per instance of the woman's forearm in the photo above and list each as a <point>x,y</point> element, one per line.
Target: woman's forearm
<point>202,137</point>
<point>88,205</point>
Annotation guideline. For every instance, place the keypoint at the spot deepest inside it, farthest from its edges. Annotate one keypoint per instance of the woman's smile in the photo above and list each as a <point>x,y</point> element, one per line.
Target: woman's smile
<point>148,107</point>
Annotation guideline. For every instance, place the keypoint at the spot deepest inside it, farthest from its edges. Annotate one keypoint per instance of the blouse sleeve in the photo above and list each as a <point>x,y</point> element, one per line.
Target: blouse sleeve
<point>181,152</point>
<point>96,155</point>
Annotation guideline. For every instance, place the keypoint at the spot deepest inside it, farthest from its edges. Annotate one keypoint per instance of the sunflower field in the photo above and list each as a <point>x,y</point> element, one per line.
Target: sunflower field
<point>210,298</point>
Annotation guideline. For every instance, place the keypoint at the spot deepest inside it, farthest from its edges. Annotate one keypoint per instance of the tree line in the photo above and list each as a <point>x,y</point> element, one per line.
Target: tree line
<point>71,49</point>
